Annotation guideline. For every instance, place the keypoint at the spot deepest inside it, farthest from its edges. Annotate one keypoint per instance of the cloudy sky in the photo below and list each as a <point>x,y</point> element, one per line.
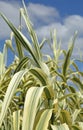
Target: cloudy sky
<point>66,16</point>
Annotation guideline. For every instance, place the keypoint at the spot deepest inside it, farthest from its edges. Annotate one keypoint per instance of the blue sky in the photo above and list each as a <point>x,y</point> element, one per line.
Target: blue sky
<point>65,7</point>
<point>66,16</point>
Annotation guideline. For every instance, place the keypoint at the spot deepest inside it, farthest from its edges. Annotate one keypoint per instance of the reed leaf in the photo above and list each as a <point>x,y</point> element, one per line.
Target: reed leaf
<point>40,75</point>
<point>75,114</point>
<point>66,63</point>
<point>31,31</point>
<point>31,106</point>
<point>44,120</point>
<point>21,64</point>
<point>19,48</point>
<point>66,117</point>
<point>60,127</point>
<point>42,43</point>
<point>76,127</point>
<point>23,40</point>
<point>16,120</point>
<point>66,96</point>
<point>10,92</point>
<point>78,82</point>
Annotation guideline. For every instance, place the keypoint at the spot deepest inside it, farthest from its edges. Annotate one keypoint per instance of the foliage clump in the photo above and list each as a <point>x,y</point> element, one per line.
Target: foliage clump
<point>37,91</point>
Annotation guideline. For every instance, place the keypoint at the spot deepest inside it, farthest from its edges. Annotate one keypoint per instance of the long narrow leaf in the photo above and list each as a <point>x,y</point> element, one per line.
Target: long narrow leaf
<point>61,127</point>
<point>21,64</point>
<point>31,106</point>
<point>44,120</point>
<point>66,63</point>
<point>23,40</point>
<point>40,75</point>
<point>19,48</point>
<point>10,92</point>
<point>75,114</point>
<point>31,32</point>
<point>16,120</point>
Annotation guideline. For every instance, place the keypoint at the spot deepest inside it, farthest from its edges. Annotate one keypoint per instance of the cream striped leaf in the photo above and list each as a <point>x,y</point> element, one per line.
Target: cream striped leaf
<point>10,92</point>
<point>31,106</point>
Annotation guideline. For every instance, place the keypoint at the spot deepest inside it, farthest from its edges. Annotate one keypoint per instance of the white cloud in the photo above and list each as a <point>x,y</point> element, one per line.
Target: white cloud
<point>74,22</point>
<point>65,30</point>
<point>44,18</point>
<point>43,13</point>
<point>11,10</point>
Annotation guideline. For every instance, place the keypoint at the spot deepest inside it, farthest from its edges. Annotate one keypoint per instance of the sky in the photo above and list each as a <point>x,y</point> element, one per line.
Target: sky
<point>66,16</point>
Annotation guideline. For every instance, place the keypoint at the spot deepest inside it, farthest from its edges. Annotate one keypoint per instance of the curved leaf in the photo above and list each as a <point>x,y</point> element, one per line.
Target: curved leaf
<point>10,92</point>
<point>21,64</point>
<point>23,40</point>
<point>31,106</point>
<point>60,127</point>
<point>44,120</point>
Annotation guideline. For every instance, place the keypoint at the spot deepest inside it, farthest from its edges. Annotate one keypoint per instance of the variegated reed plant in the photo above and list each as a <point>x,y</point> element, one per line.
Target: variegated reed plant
<point>36,94</point>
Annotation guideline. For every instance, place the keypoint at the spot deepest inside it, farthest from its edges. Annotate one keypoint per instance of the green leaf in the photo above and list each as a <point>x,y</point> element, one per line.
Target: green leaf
<point>78,82</point>
<point>66,117</point>
<point>23,40</point>
<point>16,120</point>
<point>66,63</point>
<point>56,48</point>
<point>3,59</point>
<point>21,64</point>
<point>40,75</point>
<point>67,95</point>
<point>31,32</point>
<point>81,124</point>
<point>2,64</point>
<point>19,48</point>
<point>9,45</point>
<point>10,92</point>
<point>75,114</point>
<point>60,127</point>
<point>44,120</point>
<point>76,127</point>
<point>42,43</point>
<point>31,106</point>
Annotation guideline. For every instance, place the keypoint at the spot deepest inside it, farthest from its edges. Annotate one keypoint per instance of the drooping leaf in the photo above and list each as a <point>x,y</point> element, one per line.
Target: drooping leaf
<point>31,106</point>
<point>21,64</point>
<point>44,120</point>
<point>10,92</point>
<point>78,82</point>
<point>60,127</point>
<point>40,75</point>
